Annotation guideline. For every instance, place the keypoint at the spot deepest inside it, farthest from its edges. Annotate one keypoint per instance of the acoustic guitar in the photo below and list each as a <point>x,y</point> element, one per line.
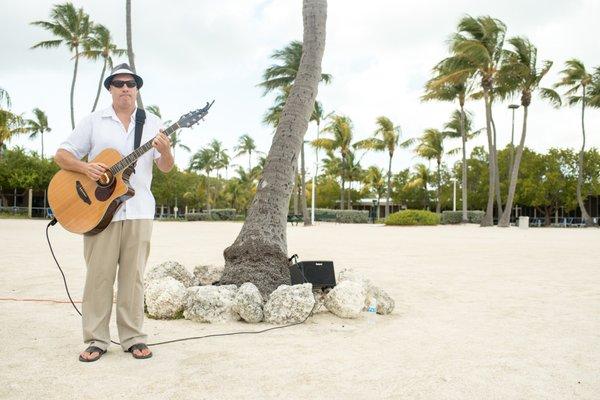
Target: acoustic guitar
<point>85,206</point>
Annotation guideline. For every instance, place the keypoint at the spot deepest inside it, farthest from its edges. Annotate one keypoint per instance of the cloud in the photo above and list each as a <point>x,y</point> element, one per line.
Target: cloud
<point>380,54</point>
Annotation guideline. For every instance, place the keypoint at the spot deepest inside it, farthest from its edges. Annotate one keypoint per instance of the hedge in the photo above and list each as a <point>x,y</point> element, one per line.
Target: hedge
<point>413,217</point>
<point>455,217</point>
<point>223,214</point>
<point>342,216</point>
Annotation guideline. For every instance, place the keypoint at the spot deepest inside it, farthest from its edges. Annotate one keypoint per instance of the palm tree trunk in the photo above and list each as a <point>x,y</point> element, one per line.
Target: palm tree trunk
<point>584,214</point>
<point>259,253</point>
<point>504,221</point>
<point>73,87</point>
<point>249,161</point>
<point>208,192</point>
<point>99,86</point>
<point>463,135</point>
<point>438,206</point>
<point>497,172</point>
<point>303,206</point>
<point>342,192</point>
<point>130,54</point>
<point>349,199</point>
<point>42,135</point>
<point>389,189</point>
<point>488,218</point>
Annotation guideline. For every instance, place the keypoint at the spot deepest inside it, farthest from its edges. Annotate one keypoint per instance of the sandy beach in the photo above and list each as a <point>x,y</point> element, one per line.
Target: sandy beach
<point>480,314</point>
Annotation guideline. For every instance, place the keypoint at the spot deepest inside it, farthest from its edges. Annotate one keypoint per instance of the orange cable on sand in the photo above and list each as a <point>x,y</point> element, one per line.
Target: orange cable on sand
<point>37,300</point>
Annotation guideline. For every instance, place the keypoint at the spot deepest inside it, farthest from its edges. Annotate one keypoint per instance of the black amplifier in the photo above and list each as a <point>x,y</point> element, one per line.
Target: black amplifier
<point>320,273</point>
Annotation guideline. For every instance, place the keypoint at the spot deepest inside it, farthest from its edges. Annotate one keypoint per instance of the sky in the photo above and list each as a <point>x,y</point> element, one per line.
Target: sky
<point>380,54</point>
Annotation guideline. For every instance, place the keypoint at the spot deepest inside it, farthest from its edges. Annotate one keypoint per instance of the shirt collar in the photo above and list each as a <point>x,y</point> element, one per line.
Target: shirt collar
<point>109,112</point>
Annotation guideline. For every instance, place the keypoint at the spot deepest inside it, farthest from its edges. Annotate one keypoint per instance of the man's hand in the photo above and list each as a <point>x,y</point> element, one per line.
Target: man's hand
<point>95,170</point>
<point>162,143</point>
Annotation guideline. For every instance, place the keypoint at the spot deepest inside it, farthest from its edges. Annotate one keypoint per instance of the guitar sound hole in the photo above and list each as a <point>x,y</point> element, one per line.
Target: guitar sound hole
<point>106,179</point>
<point>103,192</point>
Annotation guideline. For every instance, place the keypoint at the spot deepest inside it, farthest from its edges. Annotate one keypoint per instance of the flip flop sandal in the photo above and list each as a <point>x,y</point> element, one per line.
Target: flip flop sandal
<point>138,346</point>
<point>92,349</point>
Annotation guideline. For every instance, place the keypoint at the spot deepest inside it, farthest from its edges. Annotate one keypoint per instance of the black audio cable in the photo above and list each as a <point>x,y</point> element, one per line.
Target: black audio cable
<point>295,256</point>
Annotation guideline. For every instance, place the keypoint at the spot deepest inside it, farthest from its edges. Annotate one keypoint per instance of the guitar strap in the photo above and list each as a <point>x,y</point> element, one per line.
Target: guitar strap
<point>140,118</point>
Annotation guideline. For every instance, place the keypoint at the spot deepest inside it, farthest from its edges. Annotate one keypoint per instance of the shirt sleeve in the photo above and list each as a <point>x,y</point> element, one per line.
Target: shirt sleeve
<point>79,142</point>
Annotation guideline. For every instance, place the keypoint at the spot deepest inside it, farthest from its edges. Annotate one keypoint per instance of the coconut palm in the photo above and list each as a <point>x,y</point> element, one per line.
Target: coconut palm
<point>521,71</point>
<point>100,45</point>
<point>259,253</point>
<point>284,74</point>
<point>37,126</point>
<point>220,156</point>
<point>477,51</point>
<point>246,145</point>
<point>341,131</point>
<point>457,89</point>
<point>174,137</point>
<point>130,54</point>
<point>72,28</point>
<point>420,178</point>
<point>431,146</point>
<point>204,160</point>
<point>386,138</point>
<point>374,182</point>
<point>11,124</point>
<point>577,79</point>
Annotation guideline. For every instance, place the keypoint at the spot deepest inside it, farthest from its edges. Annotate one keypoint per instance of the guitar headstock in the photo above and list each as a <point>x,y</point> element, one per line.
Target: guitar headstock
<point>193,117</point>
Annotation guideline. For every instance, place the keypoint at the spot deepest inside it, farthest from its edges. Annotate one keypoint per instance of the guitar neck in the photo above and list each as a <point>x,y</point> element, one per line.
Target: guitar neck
<point>140,151</point>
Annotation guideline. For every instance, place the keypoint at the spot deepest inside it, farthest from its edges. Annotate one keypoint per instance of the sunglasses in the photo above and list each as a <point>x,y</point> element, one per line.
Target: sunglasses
<point>119,84</point>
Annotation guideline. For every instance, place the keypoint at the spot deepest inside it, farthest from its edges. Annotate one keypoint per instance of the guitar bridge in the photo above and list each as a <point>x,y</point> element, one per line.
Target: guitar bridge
<point>82,193</point>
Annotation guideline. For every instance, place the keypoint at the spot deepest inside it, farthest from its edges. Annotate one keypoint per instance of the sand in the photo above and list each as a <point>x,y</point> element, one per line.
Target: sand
<point>481,314</point>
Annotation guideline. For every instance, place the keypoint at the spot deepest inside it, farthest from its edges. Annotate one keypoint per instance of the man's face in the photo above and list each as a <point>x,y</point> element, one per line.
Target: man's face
<point>123,97</point>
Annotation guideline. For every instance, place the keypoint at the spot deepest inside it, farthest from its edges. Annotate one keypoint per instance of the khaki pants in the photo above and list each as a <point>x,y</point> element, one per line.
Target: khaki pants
<point>126,243</point>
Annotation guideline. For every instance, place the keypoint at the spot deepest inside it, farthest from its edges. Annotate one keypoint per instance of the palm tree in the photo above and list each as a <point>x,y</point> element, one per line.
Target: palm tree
<point>520,71</point>
<point>220,155</point>
<point>259,253</point>
<point>204,160</point>
<point>100,45</point>
<point>477,51</point>
<point>354,173</point>
<point>386,137</point>
<point>37,126</point>
<point>457,89</point>
<point>460,126</point>
<point>10,124</point>
<point>246,145</point>
<point>576,78</point>
<point>374,182</point>
<point>282,75</point>
<point>130,54</point>
<point>175,140</point>
<point>341,130</point>
<point>420,178</point>
<point>431,146</point>
<point>72,28</point>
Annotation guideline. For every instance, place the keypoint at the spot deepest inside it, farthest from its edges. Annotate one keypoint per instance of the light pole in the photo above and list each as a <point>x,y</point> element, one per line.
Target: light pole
<point>454,194</point>
<point>314,183</point>
<point>513,107</point>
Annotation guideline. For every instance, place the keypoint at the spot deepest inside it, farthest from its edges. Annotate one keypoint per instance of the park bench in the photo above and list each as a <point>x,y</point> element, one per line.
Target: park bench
<point>294,218</point>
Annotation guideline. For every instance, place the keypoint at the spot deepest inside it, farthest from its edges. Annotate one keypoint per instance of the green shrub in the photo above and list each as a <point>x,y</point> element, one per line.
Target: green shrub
<point>413,217</point>
<point>455,217</point>
<point>225,214</point>
<point>342,216</point>
<point>352,216</point>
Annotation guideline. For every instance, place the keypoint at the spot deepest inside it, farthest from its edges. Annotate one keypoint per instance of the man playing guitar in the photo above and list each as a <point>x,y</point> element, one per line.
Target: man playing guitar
<point>126,240</point>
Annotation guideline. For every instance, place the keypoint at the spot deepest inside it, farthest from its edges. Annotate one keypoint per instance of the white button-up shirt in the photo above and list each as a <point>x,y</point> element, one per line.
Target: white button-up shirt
<point>102,130</point>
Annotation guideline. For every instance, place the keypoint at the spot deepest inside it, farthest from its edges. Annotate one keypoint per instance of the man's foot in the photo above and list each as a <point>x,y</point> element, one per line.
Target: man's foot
<point>140,350</point>
<point>91,354</point>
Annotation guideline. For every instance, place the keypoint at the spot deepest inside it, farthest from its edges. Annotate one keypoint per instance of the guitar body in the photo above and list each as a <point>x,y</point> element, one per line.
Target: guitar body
<point>82,205</point>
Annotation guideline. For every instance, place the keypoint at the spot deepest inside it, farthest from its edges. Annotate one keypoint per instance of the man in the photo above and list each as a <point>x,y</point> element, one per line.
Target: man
<point>126,240</point>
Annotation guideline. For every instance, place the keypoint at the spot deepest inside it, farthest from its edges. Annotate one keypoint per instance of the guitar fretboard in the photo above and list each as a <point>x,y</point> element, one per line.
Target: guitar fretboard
<point>137,153</point>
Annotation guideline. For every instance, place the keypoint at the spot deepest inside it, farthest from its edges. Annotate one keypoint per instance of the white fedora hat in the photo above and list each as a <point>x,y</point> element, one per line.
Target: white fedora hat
<point>123,69</point>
